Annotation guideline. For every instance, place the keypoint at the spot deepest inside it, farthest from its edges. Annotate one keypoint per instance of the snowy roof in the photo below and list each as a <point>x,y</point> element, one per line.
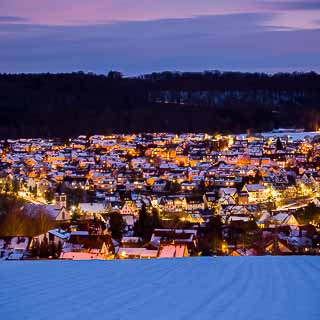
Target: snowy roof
<point>92,207</point>
<point>255,187</point>
<point>59,233</point>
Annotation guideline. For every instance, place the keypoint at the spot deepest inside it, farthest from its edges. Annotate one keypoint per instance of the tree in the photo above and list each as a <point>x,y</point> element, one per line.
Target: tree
<point>202,187</point>
<point>7,187</point>
<point>155,218</point>
<point>44,248</point>
<point>35,250</point>
<point>75,216</point>
<point>52,250</point>
<point>258,177</point>
<point>147,223</point>
<point>13,220</point>
<point>172,187</point>
<point>279,145</point>
<point>15,186</point>
<point>59,248</point>
<point>39,220</point>
<point>19,219</point>
<point>309,214</point>
<point>116,225</point>
<point>114,75</point>
<point>211,242</point>
<point>34,191</point>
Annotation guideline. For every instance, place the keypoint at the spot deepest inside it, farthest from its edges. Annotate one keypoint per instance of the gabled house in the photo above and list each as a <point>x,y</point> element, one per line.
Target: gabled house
<point>257,193</point>
<point>173,203</point>
<point>162,237</point>
<point>284,219</point>
<point>277,247</point>
<point>210,199</point>
<point>82,246</point>
<point>127,208</point>
<point>194,203</point>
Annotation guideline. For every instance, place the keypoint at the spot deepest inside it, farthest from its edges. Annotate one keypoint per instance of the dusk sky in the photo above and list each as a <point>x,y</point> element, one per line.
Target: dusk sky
<point>139,36</point>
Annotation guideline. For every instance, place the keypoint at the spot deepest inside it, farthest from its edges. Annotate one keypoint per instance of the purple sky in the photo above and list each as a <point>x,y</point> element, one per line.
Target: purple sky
<point>138,36</point>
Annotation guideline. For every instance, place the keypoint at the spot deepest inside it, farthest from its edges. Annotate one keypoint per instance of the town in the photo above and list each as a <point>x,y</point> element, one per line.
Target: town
<point>160,195</point>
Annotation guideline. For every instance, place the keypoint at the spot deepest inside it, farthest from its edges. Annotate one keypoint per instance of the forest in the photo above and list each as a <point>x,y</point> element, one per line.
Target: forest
<point>64,105</point>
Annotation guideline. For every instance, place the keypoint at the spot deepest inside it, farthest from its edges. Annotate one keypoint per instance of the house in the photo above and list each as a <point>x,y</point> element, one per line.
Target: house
<point>136,253</point>
<point>284,219</point>
<point>14,248</point>
<point>92,208</point>
<point>243,252</point>
<point>82,246</point>
<point>278,247</point>
<point>228,196</point>
<point>173,250</point>
<point>129,221</point>
<point>159,186</point>
<point>210,199</point>
<point>243,198</point>
<point>194,203</point>
<point>300,242</point>
<point>173,203</point>
<point>257,193</point>
<point>188,237</point>
<point>54,235</point>
<point>57,213</point>
<point>126,208</point>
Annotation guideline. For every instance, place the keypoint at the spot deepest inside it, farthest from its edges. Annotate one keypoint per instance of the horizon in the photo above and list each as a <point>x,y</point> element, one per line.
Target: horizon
<point>91,73</point>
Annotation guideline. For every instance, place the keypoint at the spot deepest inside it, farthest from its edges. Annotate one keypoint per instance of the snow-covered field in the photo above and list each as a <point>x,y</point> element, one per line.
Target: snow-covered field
<point>291,135</point>
<point>192,288</point>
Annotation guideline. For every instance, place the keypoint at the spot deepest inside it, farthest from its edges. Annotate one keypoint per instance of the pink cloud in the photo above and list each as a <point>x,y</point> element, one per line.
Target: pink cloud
<point>61,12</point>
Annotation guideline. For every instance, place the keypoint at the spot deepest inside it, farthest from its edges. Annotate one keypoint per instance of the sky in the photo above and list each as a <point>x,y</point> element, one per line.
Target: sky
<point>142,36</point>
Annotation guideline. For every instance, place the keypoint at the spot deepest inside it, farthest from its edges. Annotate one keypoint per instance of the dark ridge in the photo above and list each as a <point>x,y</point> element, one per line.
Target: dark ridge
<point>60,105</point>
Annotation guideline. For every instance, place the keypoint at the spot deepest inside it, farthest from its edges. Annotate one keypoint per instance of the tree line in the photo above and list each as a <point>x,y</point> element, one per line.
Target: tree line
<point>16,218</point>
<point>33,105</point>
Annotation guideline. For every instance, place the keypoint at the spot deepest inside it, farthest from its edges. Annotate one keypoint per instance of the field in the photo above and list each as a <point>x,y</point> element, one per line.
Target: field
<point>193,288</point>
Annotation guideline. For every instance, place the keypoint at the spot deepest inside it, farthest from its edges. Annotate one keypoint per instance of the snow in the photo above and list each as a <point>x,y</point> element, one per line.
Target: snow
<point>219,288</point>
<point>293,136</point>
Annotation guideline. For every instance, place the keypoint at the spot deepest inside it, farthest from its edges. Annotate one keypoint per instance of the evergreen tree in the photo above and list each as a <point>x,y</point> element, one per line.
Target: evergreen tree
<point>155,218</point>
<point>146,223</point>
<point>116,225</point>
<point>211,241</point>
<point>35,251</point>
<point>44,248</point>
<point>52,250</point>
<point>258,177</point>
<point>59,249</point>
<point>279,144</point>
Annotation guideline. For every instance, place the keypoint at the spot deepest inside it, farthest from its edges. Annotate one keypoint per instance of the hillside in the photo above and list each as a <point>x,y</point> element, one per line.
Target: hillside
<point>195,288</point>
<point>71,104</point>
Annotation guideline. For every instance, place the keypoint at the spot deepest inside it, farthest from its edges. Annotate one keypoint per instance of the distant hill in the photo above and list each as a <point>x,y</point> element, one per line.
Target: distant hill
<point>75,103</point>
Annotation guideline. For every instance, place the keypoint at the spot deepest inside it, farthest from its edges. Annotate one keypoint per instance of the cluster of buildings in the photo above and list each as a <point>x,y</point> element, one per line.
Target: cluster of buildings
<point>187,179</point>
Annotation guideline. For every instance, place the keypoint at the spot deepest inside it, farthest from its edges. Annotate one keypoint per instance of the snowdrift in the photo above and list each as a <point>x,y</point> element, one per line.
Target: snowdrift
<point>192,288</point>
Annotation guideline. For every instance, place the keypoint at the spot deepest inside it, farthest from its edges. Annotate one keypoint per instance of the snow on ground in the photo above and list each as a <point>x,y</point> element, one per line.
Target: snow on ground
<point>192,288</point>
<point>293,136</point>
